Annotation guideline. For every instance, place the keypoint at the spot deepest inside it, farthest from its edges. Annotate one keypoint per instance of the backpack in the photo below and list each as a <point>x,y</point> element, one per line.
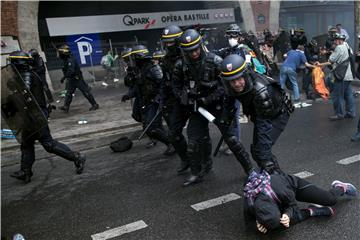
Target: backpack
<point>121,145</point>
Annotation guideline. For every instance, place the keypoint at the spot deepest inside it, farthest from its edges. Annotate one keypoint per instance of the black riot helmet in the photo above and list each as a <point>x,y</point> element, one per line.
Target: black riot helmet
<point>233,31</point>
<point>190,40</point>
<point>125,54</point>
<point>171,33</point>
<point>140,52</point>
<point>169,38</point>
<point>64,51</point>
<point>21,60</point>
<point>34,53</point>
<point>158,55</point>
<point>233,67</point>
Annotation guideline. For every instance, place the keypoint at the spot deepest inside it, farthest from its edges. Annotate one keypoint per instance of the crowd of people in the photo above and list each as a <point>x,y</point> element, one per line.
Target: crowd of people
<point>187,85</point>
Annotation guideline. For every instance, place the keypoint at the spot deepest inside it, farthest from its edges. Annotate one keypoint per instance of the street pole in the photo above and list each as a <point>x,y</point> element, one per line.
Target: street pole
<point>357,21</point>
<point>91,62</point>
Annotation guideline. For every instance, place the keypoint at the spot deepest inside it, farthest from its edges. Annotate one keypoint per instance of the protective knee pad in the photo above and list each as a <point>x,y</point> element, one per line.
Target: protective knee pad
<point>231,141</point>
<point>192,149</point>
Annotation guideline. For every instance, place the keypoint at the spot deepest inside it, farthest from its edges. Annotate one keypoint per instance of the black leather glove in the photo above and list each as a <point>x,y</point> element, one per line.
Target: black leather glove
<point>62,80</point>
<point>184,99</point>
<point>125,98</point>
<point>50,108</point>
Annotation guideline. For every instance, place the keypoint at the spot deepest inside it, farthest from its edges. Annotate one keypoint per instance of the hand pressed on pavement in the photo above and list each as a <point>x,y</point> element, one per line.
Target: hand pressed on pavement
<point>260,227</point>
<point>285,220</point>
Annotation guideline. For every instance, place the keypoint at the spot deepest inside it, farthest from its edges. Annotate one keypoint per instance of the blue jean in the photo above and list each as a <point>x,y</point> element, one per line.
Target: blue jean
<point>285,73</point>
<point>343,99</point>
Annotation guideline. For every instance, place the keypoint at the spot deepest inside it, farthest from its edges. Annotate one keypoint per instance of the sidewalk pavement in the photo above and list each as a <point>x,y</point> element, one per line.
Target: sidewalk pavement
<point>112,120</point>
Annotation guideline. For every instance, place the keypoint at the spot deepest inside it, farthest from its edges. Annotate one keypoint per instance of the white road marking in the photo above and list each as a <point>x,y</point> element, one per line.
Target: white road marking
<point>303,174</point>
<point>115,232</point>
<point>215,202</point>
<point>349,160</point>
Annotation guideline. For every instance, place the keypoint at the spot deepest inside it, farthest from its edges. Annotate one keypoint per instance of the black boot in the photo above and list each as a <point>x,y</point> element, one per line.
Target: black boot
<point>152,143</point>
<point>80,163</point>
<point>64,108</point>
<point>180,145</point>
<point>195,164</point>
<point>184,166</point>
<point>192,179</point>
<point>23,174</point>
<point>170,150</point>
<point>94,107</point>
<point>206,150</point>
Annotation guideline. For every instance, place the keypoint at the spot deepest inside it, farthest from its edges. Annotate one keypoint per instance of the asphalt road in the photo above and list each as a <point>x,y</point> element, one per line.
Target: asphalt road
<point>141,185</point>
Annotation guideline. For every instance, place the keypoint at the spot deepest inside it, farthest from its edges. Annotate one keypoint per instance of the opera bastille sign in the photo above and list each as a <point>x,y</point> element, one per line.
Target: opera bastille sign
<point>137,21</point>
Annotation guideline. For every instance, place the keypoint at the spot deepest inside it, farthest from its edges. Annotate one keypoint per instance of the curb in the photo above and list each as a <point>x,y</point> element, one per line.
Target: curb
<point>78,135</point>
<point>83,142</point>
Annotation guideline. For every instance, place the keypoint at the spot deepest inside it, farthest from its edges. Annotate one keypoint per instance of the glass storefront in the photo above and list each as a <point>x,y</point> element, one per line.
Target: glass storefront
<point>317,17</point>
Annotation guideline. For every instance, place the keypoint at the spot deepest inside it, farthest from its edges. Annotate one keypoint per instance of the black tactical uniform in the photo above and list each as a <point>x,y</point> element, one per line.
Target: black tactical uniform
<point>73,75</point>
<point>197,84</point>
<point>298,38</point>
<point>147,85</point>
<point>38,67</point>
<point>21,61</point>
<point>263,101</point>
<point>281,44</point>
<point>171,106</point>
<point>129,81</point>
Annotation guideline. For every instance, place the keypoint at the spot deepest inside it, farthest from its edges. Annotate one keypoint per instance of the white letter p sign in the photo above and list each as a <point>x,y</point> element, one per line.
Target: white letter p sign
<point>85,49</point>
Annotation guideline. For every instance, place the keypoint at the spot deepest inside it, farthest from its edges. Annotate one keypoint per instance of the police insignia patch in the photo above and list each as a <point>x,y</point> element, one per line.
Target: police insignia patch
<point>229,66</point>
<point>188,38</point>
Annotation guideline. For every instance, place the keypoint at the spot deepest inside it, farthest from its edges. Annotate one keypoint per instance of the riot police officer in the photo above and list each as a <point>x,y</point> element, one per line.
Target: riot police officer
<point>196,84</point>
<point>21,61</point>
<point>38,67</point>
<point>171,106</point>
<point>263,100</point>
<point>147,86</point>
<point>73,75</point>
<point>298,38</point>
<point>129,81</point>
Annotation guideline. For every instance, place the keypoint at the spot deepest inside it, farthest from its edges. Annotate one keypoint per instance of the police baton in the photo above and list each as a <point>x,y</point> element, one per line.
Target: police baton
<point>218,146</point>
<point>222,136</point>
<point>211,118</point>
<point>151,122</point>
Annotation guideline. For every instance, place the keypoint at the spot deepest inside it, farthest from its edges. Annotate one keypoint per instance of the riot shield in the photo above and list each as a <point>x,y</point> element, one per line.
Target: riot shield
<point>19,108</point>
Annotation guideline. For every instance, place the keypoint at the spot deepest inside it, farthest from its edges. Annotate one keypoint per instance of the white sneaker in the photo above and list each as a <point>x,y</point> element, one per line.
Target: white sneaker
<point>243,119</point>
<point>297,105</point>
<point>304,104</point>
<point>228,152</point>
